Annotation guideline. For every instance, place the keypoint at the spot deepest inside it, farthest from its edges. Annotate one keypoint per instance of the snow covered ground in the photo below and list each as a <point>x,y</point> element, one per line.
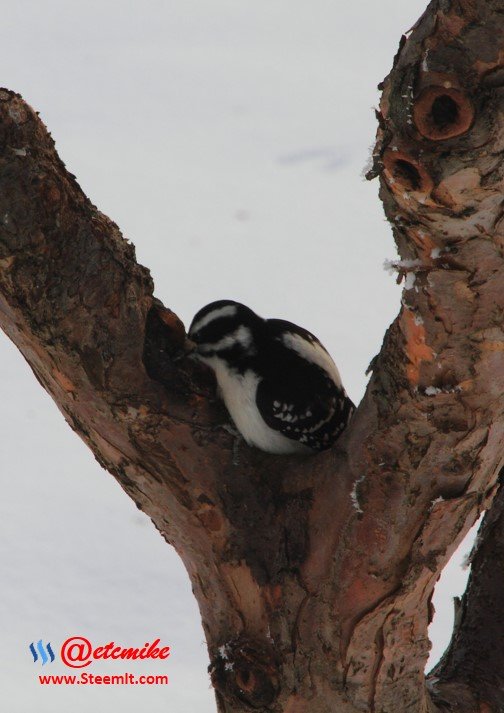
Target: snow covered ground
<point>227,139</point>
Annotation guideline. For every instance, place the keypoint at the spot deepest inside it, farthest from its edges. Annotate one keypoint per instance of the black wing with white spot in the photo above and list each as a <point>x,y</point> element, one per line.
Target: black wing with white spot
<point>302,401</point>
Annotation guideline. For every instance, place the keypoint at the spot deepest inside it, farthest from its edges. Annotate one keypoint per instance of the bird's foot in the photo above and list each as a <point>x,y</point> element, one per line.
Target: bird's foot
<point>237,440</point>
<point>230,429</point>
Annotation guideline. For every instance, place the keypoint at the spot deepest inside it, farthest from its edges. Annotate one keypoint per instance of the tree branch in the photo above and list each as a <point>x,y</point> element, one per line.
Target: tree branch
<point>475,657</point>
<point>313,575</point>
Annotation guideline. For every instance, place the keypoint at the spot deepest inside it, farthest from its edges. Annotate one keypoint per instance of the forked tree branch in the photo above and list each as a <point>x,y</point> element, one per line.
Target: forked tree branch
<point>313,575</point>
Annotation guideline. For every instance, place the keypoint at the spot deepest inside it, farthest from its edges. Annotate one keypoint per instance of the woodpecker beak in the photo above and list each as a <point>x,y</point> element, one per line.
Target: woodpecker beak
<point>188,350</point>
<point>190,346</point>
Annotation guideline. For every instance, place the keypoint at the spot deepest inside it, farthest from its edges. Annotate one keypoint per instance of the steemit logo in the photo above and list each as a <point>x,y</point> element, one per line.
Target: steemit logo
<point>38,650</point>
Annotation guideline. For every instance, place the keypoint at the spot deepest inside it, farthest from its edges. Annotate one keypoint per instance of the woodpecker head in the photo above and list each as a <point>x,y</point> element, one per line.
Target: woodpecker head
<point>225,331</point>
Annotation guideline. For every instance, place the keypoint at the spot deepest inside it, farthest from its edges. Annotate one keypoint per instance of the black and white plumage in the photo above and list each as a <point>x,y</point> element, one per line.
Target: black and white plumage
<point>280,385</point>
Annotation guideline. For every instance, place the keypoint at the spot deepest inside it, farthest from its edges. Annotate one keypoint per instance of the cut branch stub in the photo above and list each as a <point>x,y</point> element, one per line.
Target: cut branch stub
<point>442,112</point>
<point>404,173</point>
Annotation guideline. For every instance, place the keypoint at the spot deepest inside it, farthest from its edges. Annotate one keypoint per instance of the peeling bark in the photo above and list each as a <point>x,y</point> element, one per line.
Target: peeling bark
<point>313,575</point>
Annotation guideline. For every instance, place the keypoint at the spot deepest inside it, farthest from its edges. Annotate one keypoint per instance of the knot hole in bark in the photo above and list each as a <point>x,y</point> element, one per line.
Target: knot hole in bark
<point>442,112</point>
<point>164,346</point>
<point>405,173</point>
<point>246,670</point>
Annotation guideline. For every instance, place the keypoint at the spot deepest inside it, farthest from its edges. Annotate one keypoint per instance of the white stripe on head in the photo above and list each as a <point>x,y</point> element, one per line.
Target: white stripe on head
<point>226,311</point>
<point>241,336</point>
<point>314,352</point>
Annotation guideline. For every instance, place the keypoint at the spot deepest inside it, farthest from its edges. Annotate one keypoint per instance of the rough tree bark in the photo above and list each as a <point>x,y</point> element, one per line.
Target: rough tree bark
<point>313,575</point>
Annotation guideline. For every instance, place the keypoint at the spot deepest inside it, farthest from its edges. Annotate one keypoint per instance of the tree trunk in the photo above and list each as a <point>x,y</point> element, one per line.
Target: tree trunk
<point>313,575</point>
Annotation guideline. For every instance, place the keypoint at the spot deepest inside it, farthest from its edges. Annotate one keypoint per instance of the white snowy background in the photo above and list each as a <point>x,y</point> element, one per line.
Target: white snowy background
<point>227,139</point>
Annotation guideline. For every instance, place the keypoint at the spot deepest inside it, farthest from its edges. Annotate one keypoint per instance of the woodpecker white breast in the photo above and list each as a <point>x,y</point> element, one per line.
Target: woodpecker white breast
<point>279,384</point>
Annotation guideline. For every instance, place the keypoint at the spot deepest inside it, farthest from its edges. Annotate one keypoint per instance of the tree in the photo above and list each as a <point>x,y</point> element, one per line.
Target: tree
<point>313,575</point>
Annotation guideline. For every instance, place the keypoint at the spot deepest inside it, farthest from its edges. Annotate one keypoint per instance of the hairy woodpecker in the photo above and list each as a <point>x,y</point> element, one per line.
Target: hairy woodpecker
<point>279,384</point>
